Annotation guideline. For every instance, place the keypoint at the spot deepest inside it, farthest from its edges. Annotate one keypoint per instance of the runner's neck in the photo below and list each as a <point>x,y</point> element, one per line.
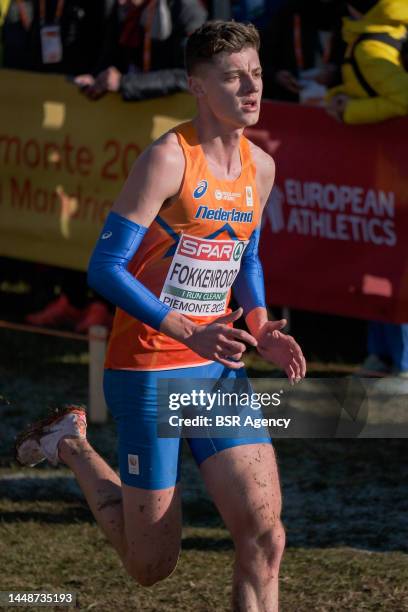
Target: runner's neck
<point>221,148</point>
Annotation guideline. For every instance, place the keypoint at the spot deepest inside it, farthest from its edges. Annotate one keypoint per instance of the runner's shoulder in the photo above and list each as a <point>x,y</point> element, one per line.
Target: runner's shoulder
<point>265,170</point>
<point>159,170</point>
<point>167,154</point>
<point>264,162</point>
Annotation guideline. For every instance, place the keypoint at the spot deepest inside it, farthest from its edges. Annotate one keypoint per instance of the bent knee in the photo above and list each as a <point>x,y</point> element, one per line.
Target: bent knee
<point>261,551</point>
<point>149,573</point>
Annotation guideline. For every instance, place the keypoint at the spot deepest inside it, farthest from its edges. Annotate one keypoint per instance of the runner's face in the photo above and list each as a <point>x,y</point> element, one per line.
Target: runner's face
<point>231,86</point>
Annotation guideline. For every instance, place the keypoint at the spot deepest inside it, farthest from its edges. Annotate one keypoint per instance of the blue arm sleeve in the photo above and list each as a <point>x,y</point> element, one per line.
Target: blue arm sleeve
<point>108,274</point>
<point>249,288</point>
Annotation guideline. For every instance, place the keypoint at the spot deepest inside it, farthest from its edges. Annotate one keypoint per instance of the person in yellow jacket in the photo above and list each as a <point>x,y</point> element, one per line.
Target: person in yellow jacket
<point>375,82</point>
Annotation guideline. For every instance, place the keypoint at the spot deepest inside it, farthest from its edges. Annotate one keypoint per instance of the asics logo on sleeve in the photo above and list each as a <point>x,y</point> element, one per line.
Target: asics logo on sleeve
<point>200,190</point>
<point>106,235</point>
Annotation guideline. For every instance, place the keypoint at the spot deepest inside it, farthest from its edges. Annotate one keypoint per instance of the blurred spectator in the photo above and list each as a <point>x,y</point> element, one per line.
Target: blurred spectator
<point>387,350</point>
<point>59,36</point>
<point>375,82</point>
<point>292,46</point>
<point>4,7</point>
<point>144,40</point>
<point>76,307</point>
<point>64,37</point>
<point>219,9</point>
<point>148,49</point>
<point>259,12</point>
<point>374,88</point>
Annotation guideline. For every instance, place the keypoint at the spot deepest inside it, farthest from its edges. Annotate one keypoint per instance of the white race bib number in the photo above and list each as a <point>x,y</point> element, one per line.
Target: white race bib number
<point>201,274</point>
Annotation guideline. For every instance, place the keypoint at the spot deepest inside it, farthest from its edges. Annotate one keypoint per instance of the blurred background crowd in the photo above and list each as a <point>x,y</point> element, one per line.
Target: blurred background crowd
<point>328,52</point>
<point>349,57</point>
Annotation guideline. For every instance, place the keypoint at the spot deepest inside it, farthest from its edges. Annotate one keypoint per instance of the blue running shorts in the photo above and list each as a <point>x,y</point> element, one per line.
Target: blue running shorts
<point>145,460</point>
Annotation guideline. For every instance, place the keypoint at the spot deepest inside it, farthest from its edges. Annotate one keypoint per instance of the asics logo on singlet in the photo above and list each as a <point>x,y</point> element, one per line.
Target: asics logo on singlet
<point>106,235</point>
<point>200,190</point>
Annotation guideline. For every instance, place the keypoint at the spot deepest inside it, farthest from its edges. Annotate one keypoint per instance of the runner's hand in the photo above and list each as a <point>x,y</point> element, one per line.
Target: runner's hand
<point>281,349</point>
<point>219,342</point>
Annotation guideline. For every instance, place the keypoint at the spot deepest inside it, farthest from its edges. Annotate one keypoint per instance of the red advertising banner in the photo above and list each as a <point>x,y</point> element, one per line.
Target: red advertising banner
<point>335,232</point>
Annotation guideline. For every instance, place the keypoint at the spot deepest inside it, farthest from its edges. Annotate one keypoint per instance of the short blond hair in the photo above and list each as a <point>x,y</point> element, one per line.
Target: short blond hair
<point>217,36</point>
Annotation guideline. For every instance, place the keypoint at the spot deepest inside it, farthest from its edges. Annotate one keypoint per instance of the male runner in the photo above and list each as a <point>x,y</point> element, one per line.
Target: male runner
<point>200,187</point>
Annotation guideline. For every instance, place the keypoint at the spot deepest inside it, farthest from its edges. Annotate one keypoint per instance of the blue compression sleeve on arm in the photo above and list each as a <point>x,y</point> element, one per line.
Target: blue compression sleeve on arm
<point>108,274</point>
<point>249,288</point>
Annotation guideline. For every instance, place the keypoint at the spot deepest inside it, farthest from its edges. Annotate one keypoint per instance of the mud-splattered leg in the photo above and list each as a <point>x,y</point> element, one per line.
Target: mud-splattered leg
<point>143,526</point>
<point>250,506</point>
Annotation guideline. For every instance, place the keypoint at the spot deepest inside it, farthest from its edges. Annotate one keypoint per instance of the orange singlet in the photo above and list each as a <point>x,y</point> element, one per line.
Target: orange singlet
<point>189,258</point>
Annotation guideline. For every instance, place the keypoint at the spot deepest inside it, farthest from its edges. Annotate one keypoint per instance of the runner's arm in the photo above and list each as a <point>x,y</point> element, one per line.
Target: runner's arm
<point>273,345</point>
<point>249,288</point>
<point>108,274</point>
<point>138,204</point>
<point>155,178</point>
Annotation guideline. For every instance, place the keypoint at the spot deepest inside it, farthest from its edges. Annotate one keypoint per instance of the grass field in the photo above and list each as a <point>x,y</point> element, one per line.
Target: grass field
<point>345,511</point>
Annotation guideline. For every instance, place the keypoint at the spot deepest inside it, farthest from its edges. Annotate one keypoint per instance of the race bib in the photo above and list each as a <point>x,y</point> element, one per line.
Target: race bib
<point>201,274</point>
<point>51,45</point>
